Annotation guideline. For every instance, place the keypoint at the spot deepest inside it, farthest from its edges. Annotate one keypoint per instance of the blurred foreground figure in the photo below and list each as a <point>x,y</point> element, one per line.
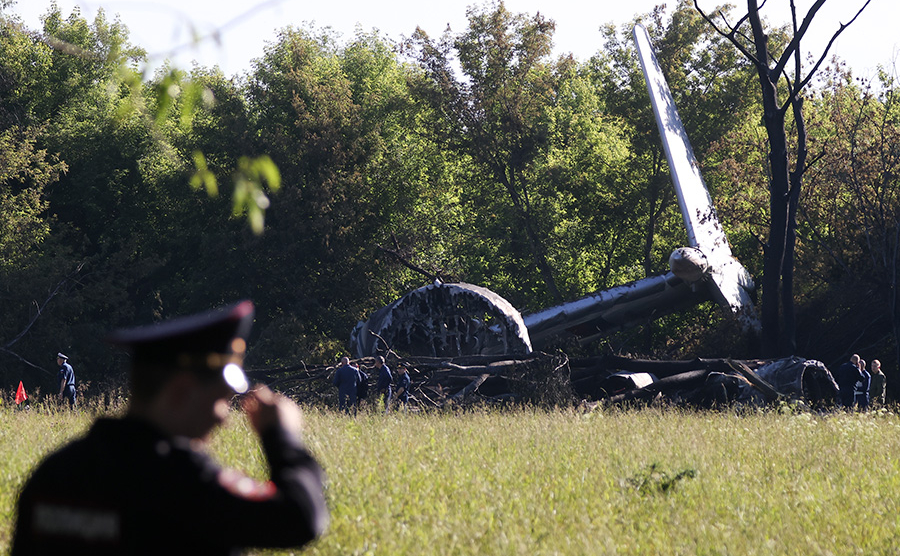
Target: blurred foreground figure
<point>140,484</point>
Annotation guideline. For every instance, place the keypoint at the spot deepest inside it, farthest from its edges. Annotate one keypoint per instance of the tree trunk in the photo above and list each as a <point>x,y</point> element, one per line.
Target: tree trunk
<point>776,246</point>
<point>655,204</point>
<point>538,251</point>
<point>773,118</point>
<point>895,309</point>
<point>784,186</point>
<point>540,259</point>
<point>789,336</point>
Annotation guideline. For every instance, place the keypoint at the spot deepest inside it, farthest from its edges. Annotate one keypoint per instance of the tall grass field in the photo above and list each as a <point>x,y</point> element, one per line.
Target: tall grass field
<point>542,482</point>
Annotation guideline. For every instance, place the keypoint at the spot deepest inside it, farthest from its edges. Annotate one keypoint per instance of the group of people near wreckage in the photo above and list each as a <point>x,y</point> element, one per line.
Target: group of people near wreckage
<point>860,388</point>
<point>353,385</point>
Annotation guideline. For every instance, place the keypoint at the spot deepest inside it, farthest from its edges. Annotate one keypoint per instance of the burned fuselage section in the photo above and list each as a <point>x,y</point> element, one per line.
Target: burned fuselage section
<point>444,320</point>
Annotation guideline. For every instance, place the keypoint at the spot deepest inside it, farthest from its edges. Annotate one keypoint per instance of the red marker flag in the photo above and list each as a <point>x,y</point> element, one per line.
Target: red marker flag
<point>21,396</point>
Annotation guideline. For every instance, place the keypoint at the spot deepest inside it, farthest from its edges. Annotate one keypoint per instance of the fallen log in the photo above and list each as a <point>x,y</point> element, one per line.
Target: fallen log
<point>641,394</point>
<point>459,370</point>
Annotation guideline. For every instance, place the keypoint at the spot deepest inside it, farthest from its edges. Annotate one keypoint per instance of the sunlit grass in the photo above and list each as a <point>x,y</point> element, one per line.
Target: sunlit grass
<point>562,482</point>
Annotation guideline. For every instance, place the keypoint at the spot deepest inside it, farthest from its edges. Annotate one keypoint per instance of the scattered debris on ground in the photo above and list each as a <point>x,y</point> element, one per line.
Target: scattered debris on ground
<point>555,380</point>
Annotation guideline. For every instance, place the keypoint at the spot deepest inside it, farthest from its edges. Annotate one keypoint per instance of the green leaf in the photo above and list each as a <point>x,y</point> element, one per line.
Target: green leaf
<point>203,177</point>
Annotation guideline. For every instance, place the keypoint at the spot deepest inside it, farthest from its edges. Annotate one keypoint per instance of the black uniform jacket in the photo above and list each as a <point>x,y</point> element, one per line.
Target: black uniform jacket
<point>126,488</point>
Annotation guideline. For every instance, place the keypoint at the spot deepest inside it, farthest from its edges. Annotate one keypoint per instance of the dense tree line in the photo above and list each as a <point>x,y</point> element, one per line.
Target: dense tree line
<point>315,183</point>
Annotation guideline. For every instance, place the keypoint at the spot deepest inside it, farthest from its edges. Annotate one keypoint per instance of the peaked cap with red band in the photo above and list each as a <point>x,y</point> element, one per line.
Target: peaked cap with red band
<point>211,342</point>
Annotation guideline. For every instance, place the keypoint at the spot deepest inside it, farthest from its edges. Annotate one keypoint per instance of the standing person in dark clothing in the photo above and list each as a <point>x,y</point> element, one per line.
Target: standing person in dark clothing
<point>403,382</point>
<point>861,388</point>
<point>846,377</point>
<point>383,385</point>
<point>876,390</point>
<point>362,389</point>
<point>140,484</point>
<point>346,378</point>
<point>66,378</point>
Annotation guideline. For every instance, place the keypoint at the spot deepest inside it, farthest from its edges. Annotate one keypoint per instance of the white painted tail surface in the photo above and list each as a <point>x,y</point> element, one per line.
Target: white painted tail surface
<point>732,283</point>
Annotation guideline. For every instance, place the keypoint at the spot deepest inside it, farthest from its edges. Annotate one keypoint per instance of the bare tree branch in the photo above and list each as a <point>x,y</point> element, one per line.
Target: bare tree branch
<point>388,348</point>
<point>794,45</point>
<point>40,311</point>
<point>23,360</point>
<point>731,31</point>
<point>792,50</point>
<point>409,265</point>
<point>40,308</point>
<point>822,58</point>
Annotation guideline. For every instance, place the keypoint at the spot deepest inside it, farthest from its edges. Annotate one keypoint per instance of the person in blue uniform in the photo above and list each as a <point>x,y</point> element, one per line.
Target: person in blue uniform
<point>143,484</point>
<point>403,382</point>
<point>383,384</point>
<point>846,377</point>
<point>861,388</point>
<point>346,378</point>
<point>66,379</point>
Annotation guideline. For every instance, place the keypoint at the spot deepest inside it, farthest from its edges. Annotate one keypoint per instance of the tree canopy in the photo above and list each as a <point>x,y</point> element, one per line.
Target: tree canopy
<point>336,175</point>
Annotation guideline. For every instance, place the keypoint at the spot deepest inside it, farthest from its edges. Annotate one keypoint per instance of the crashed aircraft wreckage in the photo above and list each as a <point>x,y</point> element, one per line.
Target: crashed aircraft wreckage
<point>555,380</point>
<point>463,319</point>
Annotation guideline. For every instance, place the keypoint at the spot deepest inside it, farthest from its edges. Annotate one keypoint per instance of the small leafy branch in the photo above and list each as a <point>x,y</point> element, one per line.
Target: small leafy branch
<point>173,95</point>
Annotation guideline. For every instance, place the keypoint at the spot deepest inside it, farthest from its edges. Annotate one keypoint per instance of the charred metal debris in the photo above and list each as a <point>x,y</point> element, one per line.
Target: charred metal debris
<point>554,380</point>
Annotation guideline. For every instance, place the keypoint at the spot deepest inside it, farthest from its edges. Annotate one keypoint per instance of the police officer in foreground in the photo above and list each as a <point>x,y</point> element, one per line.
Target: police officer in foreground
<point>139,484</point>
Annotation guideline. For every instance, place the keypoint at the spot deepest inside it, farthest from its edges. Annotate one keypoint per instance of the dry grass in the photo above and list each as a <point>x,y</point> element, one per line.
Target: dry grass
<point>537,482</point>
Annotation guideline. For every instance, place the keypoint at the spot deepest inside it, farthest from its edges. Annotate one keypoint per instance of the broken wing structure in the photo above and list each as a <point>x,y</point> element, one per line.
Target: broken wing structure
<point>463,319</point>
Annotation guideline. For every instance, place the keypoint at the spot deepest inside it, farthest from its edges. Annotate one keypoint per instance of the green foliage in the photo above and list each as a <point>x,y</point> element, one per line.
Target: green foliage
<point>249,198</point>
<point>576,178</point>
<point>203,177</point>
<point>538,150</point>
<point>848,231</point>
<point>475,156</point>
<point>25,172</point>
